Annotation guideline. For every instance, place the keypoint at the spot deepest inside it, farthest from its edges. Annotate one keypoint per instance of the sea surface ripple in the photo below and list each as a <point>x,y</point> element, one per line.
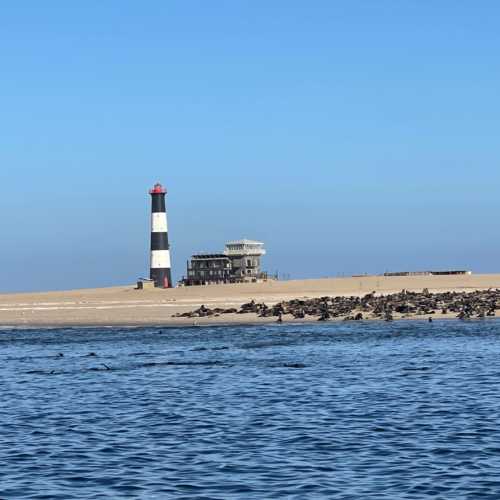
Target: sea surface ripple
<point>402,410</point>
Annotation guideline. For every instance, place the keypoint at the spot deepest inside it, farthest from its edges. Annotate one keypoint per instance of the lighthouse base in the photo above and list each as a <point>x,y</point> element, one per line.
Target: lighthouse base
<point>162,277</point>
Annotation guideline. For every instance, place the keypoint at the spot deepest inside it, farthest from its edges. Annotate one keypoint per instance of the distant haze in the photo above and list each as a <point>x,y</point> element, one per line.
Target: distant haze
<point>348,136</point>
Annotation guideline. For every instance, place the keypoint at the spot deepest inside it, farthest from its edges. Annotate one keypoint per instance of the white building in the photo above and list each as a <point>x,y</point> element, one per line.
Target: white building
<point>245,257</point>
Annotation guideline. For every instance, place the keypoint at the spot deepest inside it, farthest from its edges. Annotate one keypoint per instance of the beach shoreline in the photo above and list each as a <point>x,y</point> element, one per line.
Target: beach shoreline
<point>227,324</point>
<point>125,306</point>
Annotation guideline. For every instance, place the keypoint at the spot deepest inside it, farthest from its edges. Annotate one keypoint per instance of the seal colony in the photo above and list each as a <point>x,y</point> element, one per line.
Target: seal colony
<point>405,304</point>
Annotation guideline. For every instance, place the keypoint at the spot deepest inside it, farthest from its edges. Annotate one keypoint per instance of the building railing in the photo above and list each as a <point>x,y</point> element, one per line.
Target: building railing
<point>245,251</point>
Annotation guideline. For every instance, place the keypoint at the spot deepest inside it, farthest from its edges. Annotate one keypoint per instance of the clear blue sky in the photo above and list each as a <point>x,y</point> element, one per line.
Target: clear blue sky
<point>350,136</point>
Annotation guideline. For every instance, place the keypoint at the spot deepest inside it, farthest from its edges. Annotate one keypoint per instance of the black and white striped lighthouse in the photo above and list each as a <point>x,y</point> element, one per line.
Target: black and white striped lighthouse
<point>160,271</point>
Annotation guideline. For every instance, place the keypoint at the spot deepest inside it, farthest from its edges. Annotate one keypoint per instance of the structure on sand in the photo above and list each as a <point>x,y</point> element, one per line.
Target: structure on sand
<point>238,263</point>
<point>160,269</point>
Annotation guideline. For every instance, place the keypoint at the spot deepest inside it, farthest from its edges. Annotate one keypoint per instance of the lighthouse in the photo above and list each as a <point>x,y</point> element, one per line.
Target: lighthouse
<point>160,271</point>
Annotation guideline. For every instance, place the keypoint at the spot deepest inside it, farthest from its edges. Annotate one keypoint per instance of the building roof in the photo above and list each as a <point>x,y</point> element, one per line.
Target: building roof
<point>244,241</point>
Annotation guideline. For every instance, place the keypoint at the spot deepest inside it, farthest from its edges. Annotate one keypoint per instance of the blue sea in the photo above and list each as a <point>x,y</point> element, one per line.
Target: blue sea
<point>402,410</point>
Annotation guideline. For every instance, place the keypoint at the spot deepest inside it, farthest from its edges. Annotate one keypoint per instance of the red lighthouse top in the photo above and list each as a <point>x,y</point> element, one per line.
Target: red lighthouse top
<point>157,189</point>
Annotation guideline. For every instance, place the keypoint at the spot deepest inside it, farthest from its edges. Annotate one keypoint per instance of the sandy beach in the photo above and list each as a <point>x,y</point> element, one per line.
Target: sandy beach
<point>127,306</point>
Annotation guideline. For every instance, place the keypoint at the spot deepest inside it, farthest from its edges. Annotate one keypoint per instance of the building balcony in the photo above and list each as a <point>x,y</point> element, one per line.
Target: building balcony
<point>244,247</point>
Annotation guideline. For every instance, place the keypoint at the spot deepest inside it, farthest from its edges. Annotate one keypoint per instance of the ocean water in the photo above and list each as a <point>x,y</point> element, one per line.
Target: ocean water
<point>402,410</point>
